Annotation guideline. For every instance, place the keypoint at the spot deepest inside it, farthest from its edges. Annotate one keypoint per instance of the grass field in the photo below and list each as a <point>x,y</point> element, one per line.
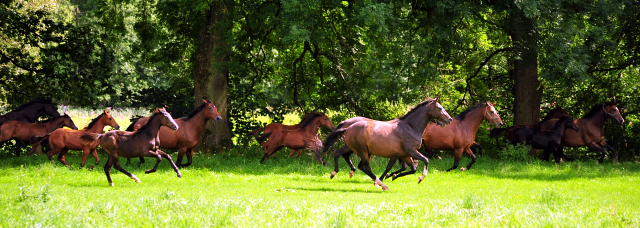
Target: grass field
<point>234,190</point>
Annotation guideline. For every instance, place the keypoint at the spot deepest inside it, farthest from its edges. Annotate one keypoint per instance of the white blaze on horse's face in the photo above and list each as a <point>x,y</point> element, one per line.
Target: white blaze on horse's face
<point>170,120</point>
<point>444,117</point>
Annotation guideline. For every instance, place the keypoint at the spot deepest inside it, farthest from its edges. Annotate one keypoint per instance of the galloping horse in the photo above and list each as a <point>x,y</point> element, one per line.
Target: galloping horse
<point>187,137</point>
<point>591,133</point>
<point>23,132</point>
<point>459,135</point>
<point>62,140</point>
<point>306,136</point>
<point>520,133</point>
<point>549,140</point>
<point>143,142</point>
<point>29,112</point>
<point>278,127</point>
<point>391,139</point>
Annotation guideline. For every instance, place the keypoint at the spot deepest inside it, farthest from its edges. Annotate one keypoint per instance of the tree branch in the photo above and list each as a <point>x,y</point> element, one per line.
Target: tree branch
<point>484,62</point>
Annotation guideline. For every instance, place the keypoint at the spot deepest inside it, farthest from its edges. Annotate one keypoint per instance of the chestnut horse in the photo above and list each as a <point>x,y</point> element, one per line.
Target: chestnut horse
<point>188,136</point>
<point>521,133</point>
<point>391,139</point>
<point>143,142</point>
<point>306,136</point>
<point>23,132</point>
<point>549,140</point>
<point>278,127</point>
<point>29,112</point>
<point>591,133</point>
<point>458,136</point>
<point>62,140</point>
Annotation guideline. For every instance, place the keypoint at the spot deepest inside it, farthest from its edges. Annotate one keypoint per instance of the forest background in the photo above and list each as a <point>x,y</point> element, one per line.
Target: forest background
<point>370,58</point>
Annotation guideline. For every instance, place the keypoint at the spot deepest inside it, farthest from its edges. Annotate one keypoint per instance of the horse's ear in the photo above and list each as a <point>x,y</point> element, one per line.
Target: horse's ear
<point>157,110</point>
<point>64,109</point>
<point>205,101</point>
<point>107,110</point>
<point>494,104</point>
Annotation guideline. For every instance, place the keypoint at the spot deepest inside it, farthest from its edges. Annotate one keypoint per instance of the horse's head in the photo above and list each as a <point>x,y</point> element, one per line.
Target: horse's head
<point>611,109</point>
<point>326,122</point>
<point>107,119</point>
<point>68,122</point>
<point>213,111</point>
<point>50,109</point>
<point>570,123</point>
<point>167,120</point>
<point>438,114</point>
<point>491,115</point>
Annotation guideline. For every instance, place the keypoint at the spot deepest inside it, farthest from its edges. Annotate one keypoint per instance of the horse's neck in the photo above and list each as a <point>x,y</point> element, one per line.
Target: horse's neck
<point>153,128</point>
<point>417,120</point>
<point>33,116</point>
<point>197,122</point>
<point>313,127</point>
<point>53,125</point>
<point>98,127</point>
<point>598,119</point>
<point>474,118</point>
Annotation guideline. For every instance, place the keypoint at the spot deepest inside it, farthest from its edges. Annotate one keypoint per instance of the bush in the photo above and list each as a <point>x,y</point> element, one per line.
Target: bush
<point>517,153</point>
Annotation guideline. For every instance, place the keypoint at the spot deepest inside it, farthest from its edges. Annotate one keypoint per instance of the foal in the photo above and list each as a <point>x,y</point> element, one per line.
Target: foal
<point>143,142</point>
<point>23,132</point>
<point>550,140</point>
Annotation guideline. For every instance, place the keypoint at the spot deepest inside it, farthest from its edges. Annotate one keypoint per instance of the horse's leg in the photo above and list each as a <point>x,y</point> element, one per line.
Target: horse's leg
<point>299,153</point>
<point>189,157</point>
<point>181,152</point>
<point>85,154</point>
<point>364,166</point>
<point>116,165</point>
<point>560,151</point>
<point>292,152</point>
<point>403,167</point>
<point>265,147</point>
<point>473,159</point>
<point>412,168</point>
<point>52,152</point>
<point>456,161</point>
<point>545,155</point>
<point>610,148</point>
<point>158,159</point>
<point>173,165</point>
<point>94,152</point>
<point>345,152</point>
<point>141,161</point>
<point>18,147</point>
<point>128,161</point>
<point>596,147</point>
<point>392,161</point>
<point>107,170</point>
<point>62,155</point>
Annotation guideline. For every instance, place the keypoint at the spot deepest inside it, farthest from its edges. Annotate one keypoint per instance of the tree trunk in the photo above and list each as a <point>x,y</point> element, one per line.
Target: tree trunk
<point>210,76</point>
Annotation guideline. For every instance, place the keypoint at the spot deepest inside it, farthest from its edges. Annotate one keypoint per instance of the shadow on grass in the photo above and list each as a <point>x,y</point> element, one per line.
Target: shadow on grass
<point>325,189</point>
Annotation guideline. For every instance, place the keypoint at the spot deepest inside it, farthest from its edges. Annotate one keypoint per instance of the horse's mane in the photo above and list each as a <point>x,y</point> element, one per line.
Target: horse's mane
<point>195,111</point>
<point>463,114</point>
<point>309,118</point>
<point>94,121</point>
<point>39,100</point>
<point>145,126</point>
<point>54,118</point>
<point>428,101</point>
<point>551,113</point>
<point>595,109</point>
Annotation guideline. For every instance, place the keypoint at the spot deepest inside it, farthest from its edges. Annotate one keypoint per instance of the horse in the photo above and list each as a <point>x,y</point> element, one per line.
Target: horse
<point>591,133</point>
<point>23,132</point>
<point>62,140</point>
<point>29,112</point>
<point>399,137</point>
<point>549,140</point>
<point>278,127</point>
<point>458,136</point>
<point>476,148</point>
<point>306,136</point>
<point>143,142</point>
<point>520,133</point>
<point>187,137</point>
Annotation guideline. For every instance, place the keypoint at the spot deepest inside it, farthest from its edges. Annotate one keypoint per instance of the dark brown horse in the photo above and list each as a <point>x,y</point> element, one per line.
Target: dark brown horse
<point>520,133</point>
<point>398,138</point>
<point>62,140</point>
<point>591,133</point>
<point>549,140</point>
<point>23,132</point>
<point>143,142</point>
<point>29,112</point>
<point>187,137</point>
<point>306,136</point>
<point>278,127</point>
<point>458,136</point>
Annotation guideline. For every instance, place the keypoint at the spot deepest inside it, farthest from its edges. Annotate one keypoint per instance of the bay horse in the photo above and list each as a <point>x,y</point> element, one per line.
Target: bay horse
<point>591,133</point>
<point>62,140</point>
<point>29,112</point>
<point>458,136</point>
<point>398,138</point>
<point>187,137</point>
<point>521,133</point>
<point>549,140</point>
<point>23,132</point>
<point>306,136</point>
<point>143,142</point>
<point>278,127</point>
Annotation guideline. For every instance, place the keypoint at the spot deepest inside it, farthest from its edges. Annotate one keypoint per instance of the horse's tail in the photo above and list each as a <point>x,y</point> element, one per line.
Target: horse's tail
<point>263,137</point>
<point>90,138</point>
<point>332,139</point>
<point>496,132</point>
<point>255,133</point>
<point>133,123</point>
<point>38,141</point>
<point>339,125</point>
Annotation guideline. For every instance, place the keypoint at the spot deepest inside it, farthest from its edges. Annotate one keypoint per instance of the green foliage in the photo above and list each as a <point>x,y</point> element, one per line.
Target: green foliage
<point>517,153</point>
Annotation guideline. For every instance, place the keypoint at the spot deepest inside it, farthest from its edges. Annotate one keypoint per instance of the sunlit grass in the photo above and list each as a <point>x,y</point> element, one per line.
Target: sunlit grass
<point>233,189</point>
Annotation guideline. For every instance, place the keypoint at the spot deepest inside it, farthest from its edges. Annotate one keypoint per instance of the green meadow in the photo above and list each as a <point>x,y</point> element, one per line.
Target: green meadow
<point>233,190</point>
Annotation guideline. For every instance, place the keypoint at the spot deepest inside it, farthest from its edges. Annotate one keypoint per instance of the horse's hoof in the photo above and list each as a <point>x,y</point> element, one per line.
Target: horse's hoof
<point>333,174</point>
<point>135,178</point>
<point>179,175</point>
<point>148,171</point>
<point>385,188</point>
<point>420,179</point>
<point>351,174</point>
<point>111,184</point>
<point>394,177</point>
<point>463,168</point>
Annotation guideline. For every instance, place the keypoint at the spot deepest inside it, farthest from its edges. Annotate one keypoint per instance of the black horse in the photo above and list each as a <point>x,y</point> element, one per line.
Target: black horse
<point>550,140</point>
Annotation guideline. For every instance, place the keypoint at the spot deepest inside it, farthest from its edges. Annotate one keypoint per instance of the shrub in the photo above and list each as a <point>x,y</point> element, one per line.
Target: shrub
<point>517,153</point>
